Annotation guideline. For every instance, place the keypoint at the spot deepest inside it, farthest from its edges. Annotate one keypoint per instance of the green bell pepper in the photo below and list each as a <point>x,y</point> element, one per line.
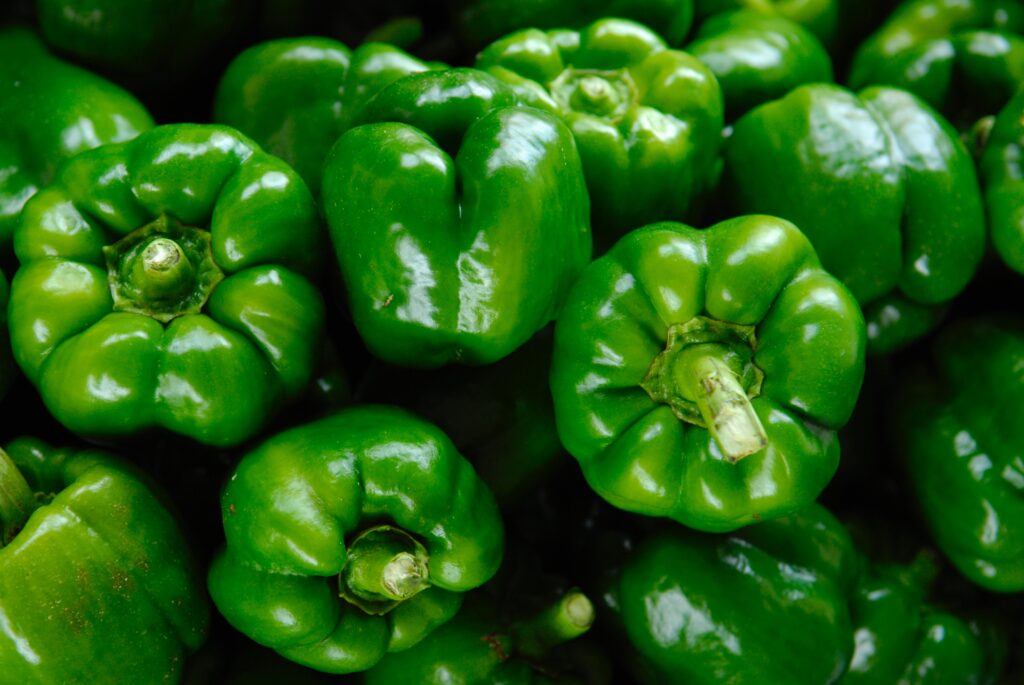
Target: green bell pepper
<point>901,637</point>
<point>702,375</point>
<point>459,219</point>
<point>757,57</point>
<point>823,18</point>
<point>482,21</point>
<point>958,429</point>
<point>295,96</point>
<point>1001,168</point>
<point>647,120</point>
<point>881,185</point>
<point>767,606</point>
<point>164,283</point>
<point>963,57</point>
<point>51,111</point>
<point>96,579</point>
<point>480,647</point>
<point>372,504</point>
<point>157,39</point>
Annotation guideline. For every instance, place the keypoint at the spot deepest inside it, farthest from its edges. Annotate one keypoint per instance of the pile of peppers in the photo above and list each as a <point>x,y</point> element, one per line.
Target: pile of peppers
<point>480,342</point>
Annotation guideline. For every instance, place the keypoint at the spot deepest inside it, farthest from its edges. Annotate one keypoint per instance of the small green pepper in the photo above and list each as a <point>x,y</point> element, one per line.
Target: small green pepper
<point>352,537</point>
<point>295,96</point>
<point>164,282</point>
<point>958,428</point>
<point>647,120</point>
<point>702,375</point>
<point>97,583</point>
<point>51,110</point>
<point>459,218</point>
<point>882,186</point>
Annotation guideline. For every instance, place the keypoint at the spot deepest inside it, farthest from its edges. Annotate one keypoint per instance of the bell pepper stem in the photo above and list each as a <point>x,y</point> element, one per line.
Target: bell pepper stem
<point>386,563</point>
<point>723,404</point>
<point>568,618</point>
<point>17,500</point>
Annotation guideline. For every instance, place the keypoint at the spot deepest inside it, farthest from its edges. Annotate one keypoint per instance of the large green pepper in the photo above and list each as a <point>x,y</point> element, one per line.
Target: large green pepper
<point>647,120</point>
<point>701,375</point>
<point>157,39</point>
<point>97,583</point>
<point>482,21</point>
<point>481,647</point>
<point>963,57</point>
<point>1002,174</point>
<point>51,111</point>
<point>903,638</point>
<point>459,219</point>
<point>881,185</point>
<point>295,96</point>
<point>767,606</point>
<point>958,428</point>
<point>163,283</point>
<point>758,57</point>
<point>372,504</point>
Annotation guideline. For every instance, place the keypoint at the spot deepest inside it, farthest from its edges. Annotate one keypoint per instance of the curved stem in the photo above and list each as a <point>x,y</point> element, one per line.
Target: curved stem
<point>385,566</point>
<point>723,404</point>
<point>17,501</point>
<point>568,618</point>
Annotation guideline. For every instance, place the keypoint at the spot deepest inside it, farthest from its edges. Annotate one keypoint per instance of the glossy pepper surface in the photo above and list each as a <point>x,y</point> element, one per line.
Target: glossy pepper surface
<point>482,21</point>
<point>758,57</point>
<point>701,375</point>
<point>766,606</point>
<point>957,426</point>
<point>647,120</point>
<point>159,39</point>
<point>459,219</point>
<point>823,18</point>
<point>901,637</point>
<point>482,647</point>
<point>881,185</point>
<point>1002,174</point>
<point>295,96</point>
<point>98,583</point>
<point>163,283</point>
<point>51,110</point>
<point>963,57</point>
<point>352,537</point>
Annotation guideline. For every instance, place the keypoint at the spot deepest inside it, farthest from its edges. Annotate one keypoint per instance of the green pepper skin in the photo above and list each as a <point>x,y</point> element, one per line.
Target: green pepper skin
<point>295,96</point>
<point>51,111</point>
<point>767,606</point>
<point>647,120</point>
<point>918,241</point>
<point>109,366</point>
<point>823,18</point>
<point>958,428</point>
<point>99,585</point>
<point>483,21</point>
<point>1002,175</point>
<point>635,451</point>
<point>902,638</point>
<point>459,219</point>
<point>290,511</point>
<point>757,57</point>
<point>963,57</point>
<point>159,39</point>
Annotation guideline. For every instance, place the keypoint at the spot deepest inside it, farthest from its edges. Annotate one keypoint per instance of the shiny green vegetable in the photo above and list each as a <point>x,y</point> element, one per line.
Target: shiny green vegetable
<point>97,583</point>
<point>164,283</point>
<point>766,606</point>
<point>459,219</point>
<point>881,185</point>
<point>295,96</point>
<point>51,110</point>
<point>1002,174</point>
<point>957,427</point>
<point>758,57</point>
<point>647,120</point>
<point>372,504</point>
<point>702,374</point>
